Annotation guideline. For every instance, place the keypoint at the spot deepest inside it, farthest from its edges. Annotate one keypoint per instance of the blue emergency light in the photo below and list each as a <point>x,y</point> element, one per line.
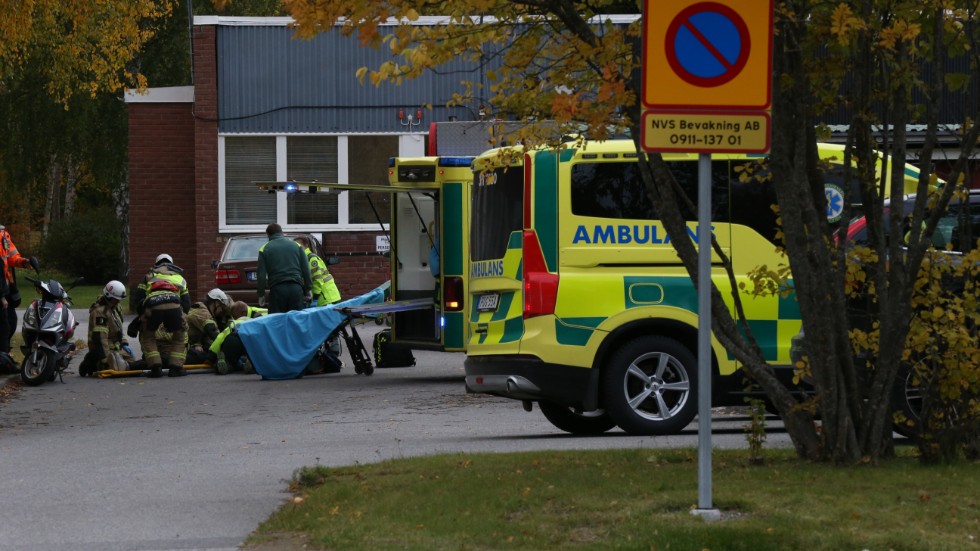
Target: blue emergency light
<point>455,161</point>
<point>290,187</point>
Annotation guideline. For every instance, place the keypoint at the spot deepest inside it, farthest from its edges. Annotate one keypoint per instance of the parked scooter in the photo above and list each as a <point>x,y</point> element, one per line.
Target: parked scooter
<point>48,328</point>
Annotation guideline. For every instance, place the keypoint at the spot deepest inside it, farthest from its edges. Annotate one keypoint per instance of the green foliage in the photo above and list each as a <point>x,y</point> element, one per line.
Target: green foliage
<point>944,348</point>
<point>307,478</point>
<point>86,245</point>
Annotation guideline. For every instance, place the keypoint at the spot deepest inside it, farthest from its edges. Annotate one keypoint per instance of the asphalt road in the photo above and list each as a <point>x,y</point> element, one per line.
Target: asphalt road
<point>198,462</point>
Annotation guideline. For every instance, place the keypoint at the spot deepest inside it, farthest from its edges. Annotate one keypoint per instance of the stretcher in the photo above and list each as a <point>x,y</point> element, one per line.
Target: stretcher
<point>363,365</point>
<point>106,373</point>
<point>281,346</point>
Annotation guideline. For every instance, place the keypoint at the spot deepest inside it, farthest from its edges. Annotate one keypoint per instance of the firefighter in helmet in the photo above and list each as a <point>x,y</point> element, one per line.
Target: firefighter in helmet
<point>161,301</point>
<point>204,321</point>
<point>107,349</point>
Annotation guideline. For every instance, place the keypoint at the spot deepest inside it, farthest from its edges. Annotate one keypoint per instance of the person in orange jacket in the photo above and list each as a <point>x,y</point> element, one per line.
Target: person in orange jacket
<point>11,259</point>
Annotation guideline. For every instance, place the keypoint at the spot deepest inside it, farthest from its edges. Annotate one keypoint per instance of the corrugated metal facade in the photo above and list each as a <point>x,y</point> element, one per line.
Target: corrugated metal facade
<point>269,82</point>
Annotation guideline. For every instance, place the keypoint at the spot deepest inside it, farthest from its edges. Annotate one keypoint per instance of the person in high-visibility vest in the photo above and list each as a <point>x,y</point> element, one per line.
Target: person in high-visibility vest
<point>227,353</point>
<point>161,301</point>
<point>204,321</point>
<point>10,299</point>
<point>325,289</point>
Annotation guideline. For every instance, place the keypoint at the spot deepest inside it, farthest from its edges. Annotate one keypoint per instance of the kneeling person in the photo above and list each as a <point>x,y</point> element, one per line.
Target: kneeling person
<point>227,353</point>
<point>107,349</point>
<point>204,321</point>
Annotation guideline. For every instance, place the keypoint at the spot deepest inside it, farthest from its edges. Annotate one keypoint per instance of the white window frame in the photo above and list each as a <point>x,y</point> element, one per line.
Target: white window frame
<point>409,145</point>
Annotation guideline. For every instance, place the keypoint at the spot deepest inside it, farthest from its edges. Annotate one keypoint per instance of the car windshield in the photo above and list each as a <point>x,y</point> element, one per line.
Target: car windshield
<point>244,249</point>
<point>959,228</point>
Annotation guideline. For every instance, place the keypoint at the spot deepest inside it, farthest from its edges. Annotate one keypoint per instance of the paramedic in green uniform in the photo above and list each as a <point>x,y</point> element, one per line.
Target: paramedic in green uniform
<point>284,271</point>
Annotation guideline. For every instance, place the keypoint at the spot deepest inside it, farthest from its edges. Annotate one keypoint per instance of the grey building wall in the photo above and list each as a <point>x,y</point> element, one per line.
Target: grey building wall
<point>271,82</point>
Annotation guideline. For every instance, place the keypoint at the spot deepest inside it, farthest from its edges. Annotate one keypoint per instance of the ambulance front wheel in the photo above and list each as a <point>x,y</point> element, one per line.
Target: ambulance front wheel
<point>574,421</point>
<point>650,386</point>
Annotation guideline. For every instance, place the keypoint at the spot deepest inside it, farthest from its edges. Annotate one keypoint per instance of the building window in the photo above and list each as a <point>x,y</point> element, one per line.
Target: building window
<point>369,165</point>
<point>312,159</point>
<point>248,160</point>
<point>361,159</point>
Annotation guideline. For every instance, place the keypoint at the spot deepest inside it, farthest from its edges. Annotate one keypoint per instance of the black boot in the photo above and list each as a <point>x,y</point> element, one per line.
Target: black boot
<point>156,371</point>
<point>174,371</point>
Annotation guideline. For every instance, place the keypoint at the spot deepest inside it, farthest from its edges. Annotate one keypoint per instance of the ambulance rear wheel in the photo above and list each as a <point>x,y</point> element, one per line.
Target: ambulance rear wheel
<point>576,421</point>
<point>650,386</point>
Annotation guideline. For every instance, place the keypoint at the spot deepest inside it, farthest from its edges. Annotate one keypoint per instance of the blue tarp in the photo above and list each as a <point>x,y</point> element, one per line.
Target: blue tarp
<point>282,345</point>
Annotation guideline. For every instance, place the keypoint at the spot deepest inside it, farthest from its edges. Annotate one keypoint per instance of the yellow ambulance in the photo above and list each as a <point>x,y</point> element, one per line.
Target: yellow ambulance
<point>579,302</point>
<point>429,225</point>
<point>429,198</point>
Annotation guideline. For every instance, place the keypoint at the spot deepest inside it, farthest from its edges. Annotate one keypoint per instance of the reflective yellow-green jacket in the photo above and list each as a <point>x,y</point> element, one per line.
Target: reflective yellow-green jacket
<point>325,289</point>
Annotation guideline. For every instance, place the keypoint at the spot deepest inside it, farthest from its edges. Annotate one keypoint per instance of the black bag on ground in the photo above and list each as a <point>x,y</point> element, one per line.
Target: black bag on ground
<point>8,365</point>
<point>389,354</point>
<point>324,361</point>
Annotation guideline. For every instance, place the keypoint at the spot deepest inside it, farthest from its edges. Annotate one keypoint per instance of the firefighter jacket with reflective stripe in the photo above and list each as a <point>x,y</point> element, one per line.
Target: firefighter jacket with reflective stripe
<point>105,328</point>
<point>202,329</point>
<point>163,284</point>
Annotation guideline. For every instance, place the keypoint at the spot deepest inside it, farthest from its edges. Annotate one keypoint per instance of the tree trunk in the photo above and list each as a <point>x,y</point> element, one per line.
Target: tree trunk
<point>52,206</point>
<point>71,182</point>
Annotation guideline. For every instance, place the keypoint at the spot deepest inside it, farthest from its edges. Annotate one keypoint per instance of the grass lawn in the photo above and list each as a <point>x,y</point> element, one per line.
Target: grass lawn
<point>82,295</point>
<point>626,499</point>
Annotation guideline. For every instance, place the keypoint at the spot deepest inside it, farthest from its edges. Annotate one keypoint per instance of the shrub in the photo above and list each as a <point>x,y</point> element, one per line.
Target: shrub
<point>86,245</point>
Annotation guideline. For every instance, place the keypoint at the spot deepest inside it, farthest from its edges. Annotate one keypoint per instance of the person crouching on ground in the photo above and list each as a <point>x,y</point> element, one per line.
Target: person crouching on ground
<point>107,349</point>
<point>204,321</point>
<point>227,352</point>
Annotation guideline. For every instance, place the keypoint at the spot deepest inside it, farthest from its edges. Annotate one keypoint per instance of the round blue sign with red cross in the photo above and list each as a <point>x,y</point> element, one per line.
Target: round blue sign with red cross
<point>707,44</point>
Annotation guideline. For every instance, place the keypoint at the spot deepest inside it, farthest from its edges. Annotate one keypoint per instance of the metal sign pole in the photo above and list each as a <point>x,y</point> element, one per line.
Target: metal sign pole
<point>705,507</point>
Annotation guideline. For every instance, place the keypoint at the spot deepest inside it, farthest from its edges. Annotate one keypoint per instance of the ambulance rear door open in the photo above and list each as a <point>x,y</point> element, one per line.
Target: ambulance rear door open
<point>415,222</point>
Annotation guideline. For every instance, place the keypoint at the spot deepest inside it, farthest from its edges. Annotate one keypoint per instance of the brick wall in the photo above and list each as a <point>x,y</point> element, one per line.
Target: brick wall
<point>161,185</point>
<point>356,273</point>
<point>207,240</point>
<point>174,195</point>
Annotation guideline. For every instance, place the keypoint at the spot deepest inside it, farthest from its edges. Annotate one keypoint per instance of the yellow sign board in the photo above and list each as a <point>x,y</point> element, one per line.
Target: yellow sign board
<point>707,55</point>
<point>706,132</point>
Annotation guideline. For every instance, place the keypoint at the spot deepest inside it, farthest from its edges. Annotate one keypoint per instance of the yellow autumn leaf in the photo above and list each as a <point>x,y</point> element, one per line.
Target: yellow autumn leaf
<point>842,21</point>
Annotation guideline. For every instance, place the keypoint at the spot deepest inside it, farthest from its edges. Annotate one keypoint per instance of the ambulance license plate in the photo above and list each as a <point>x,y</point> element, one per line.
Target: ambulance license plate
<point>488,303</point>
<point>251,276</point>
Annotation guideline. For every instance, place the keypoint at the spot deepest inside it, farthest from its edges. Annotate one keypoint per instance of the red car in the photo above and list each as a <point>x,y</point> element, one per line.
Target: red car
<point>236,273</point>
<point>959,230</point>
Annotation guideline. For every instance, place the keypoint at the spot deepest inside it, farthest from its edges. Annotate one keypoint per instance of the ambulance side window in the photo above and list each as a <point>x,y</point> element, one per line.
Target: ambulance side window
<point>610,190</point>
<point>615,190</point>
<point>753,196</point>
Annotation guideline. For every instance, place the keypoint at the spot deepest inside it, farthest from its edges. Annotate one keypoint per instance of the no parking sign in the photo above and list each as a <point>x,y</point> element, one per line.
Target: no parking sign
<point>707,75</point>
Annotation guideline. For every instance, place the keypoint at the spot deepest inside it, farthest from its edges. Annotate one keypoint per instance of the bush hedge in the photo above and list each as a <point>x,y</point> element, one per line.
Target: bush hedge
<point>86,245</point>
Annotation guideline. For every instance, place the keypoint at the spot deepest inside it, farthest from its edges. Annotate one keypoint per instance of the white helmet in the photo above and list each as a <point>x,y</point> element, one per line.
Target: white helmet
<point>163,257</point>
<point>220,296</point>
<point>114,289</point>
